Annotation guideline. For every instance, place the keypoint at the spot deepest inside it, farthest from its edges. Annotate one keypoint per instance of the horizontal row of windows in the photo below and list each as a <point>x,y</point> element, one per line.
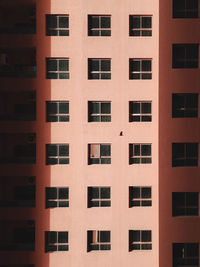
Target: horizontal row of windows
<point>183,154</point>
<point>98,240</point>
<point>99,25</point>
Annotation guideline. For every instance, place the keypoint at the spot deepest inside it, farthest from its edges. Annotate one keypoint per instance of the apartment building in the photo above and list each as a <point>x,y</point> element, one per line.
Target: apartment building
<point>99,133</point>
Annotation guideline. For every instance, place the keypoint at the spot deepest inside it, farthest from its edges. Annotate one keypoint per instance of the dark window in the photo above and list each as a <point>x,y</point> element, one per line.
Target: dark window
<point>184,105</point>
<point>140,240</point>
<point>140,25</point>
<point>57,154</point>
<point>99,111</point>
<point>140,154</point>
<point>184,154</point>
<point>57,68</point>
<point>139,196</point>
<point>98,240</point>
<point>99,25</point>
<point>140,69</point>
<point>99,69</point>
<point>185,254</point>
<point>139,111</point>
<point>56,241</point>
<point>57,197</point>
<point>185,8</point>
<point>57,111</point>
<point>185,56</point>
<point>24,238</point>
<point>25,154</point>
<point>185,204</point>
<point>24,196</point>
<point>57,25</point>
<point>99,197</point>
<point>99,154</point>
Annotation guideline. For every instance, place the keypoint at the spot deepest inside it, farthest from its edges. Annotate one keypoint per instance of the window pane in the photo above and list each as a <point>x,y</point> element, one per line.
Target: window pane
<point>105,193</point>
<point>146,150</point>
<point>191,150</point>
<point>105,150</point>
<point>63,65</point>
<point>52,150</point>
<point>63,22</point>
<point>136,192</point>
<point>135,21</point>
<point>104,236</point>
<point>105,65</point>
<point>63,108</point>
<point>136,150</point>
<point>63,150</point>
<point>135,108</point>
<point>51,21</point>
<point>52,107</point>
<point>63,193</point>
<point>51,65</point>
<point>135,65</point>
<point>94,65</point>
<point>62,237</point>
<point>105,22</point>
<point>105,108</point>
<point>146,65</point>
<point>146,192</point>
<point>95,108</point>
<point>146,108</point>
<point>95,192</point>
<point>51,193</point>
<point>52,237</point>
<point>146,22</point>
<point>136,235</point>
<point>146,236</point>
<point>95,22</point>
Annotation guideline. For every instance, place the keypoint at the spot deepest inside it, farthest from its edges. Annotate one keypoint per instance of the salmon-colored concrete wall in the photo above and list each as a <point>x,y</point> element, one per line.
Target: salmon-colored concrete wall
<point>172,130</point>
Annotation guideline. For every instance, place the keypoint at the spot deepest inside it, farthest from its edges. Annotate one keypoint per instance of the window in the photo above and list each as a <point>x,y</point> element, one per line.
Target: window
<point>57,111</point>
<point>185,56</point>
<point>139,196</point>
<point>99,69</point>
<point>99,25</point>
<point>185,204</point>
<point>98,240</point>
<point>185,254</point>
<point>56,241</point>
<point>140,69</point>
<point>99,154</point>
<point>140,240</point>
<point>57,197</point>
<point>184,154</point>
<point>185,8</point>
<point>57,68</point>
<point>139,111</point>
<point>57,25</point>
<point>57,154</point>
<point>140,25</point>
<point>99,197</point>
<point>99,111</point>
<point>140,154</point>
<point>184,105</point>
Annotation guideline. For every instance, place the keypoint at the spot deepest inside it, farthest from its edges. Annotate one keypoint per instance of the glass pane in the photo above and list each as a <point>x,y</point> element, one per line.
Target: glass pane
<point>191,100</point>
<point>51,64</point>
<point>135,235</point>
<point>146,65</point>
<point>146,108</point>
<point>62,237</point>
<point>51,21</point>
<point>105,193</point>
<point>105,150</point>
<point>105,22</point>
<point>52,150</point>
<point>192,199</point>
<point>105,203</point>
<point>104,236</point>
<point>95,22</point>
<point>136,150</point>
<point>105,76</point>
<point>146,236</point>
<point>64,65</point>
<point>105,65</point>
<point>105,161</point>
<point>51,107</point>
<point>135,33</point>
<point>134,65</point>
<point>105,118</point>
<point>135,192</point>
<point>63,118</point>
<point>63,204</point>
<point>52,237</point>
<point>95,108</point>
<point>146,22</point>
<point>146,192</point>
<point>95,118</point>
<point>146,33</point>
<point>135,107</point>
<point>135,22</point>
<point>51,193</point>
<point>63,108</point>
<point>146,150</point>
<point>94,65</point>
<point>63,22</point>
<point>105,32</point>
<point>63,193</point>
<point>64,161</point>
<point>63,75</point>
<point>52,76</point>
<point>105,108</point>
<point>63,32</point>
<point>192,150</point>
<point>95,192</point>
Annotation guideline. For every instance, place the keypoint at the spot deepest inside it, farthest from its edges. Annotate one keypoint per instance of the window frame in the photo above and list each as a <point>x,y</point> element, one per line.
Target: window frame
<point>56,246</point>
<point>141,200</point>
<point>57,72</point>
<point>186,209</point>
<point>57,202</point>
<point>139,244</point>
<point>97,244</point>
<point>101,73</point>
<point>57,115</point>
<point>100,114</point>
<point>177,107</point>
<point>184,158</point>
<point>141,159</point>
<point>101,158</point>
<point>140,74</point>
<point>57,29</point>
<point>140,29</point>
<point>100,29</point>
<point>57,157</point>
<point>140,115</point>
<point>102,202</point>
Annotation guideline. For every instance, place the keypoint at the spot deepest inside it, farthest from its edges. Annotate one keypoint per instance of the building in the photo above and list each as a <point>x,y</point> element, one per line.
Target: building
<point>98,161</point>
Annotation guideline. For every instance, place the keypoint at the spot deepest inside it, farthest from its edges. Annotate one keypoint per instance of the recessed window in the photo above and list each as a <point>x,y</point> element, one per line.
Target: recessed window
<point>140,154</point>
<point>140,240</point>
<point>56,241</point>
<point>57,111</point>
<point>185,254</point>
<point>99,197</point>
<point>57,197</point>
<point>98,240</point>
<point>139,196</point>
<point>184,105</point>
<point>185,204</point>
<point>57,68</point>
<point>140,111</point>
<point>140,25</point>
<point>99,25</point>
<point>185,8</point>
<point>184,154</point>
<point>57,25</point>
<point>185,56</point>
<point>57,154</point>
<point>140,69</point>
<point>99,69</point>
<point>99,154</point>
<point>99,111</point>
